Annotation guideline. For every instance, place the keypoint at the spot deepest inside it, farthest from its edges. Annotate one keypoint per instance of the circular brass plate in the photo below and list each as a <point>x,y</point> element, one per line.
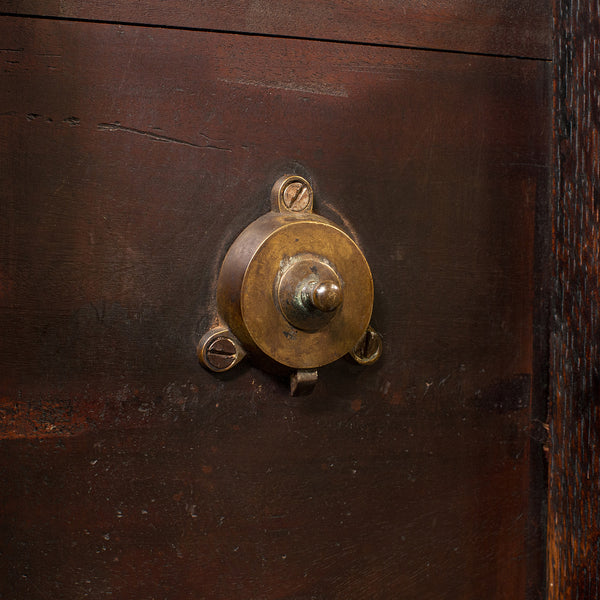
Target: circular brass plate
<point>259,305</point>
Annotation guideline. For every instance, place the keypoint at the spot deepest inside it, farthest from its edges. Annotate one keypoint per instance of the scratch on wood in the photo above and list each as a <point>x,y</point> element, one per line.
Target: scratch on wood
<point>72,121</point>
<point>321,89</point>
<point>116,126</point>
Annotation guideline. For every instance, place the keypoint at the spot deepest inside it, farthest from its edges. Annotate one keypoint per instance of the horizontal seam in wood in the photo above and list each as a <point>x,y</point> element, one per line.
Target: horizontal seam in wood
<point>274,35</point>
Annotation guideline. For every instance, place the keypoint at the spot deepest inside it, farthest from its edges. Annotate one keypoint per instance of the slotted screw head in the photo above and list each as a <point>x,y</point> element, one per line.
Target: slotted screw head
<point>221,353</point>
<point>368,349</point>
<point>296,196</point>
<point>292,193</point>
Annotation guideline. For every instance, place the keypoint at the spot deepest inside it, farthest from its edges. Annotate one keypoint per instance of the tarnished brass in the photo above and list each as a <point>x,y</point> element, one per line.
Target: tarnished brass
<point>302,382</point>
<point>292,193</point>
<point>325,296</point>
<point>249,283</point>
<point>294,289</point>
<point>309,292</point>
<point>219,351</point>
<point>368,349</point>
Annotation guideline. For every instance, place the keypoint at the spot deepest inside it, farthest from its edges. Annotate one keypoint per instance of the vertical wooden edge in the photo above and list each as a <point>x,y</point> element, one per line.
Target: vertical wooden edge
<point>573,544</point>
<point>536,534</point>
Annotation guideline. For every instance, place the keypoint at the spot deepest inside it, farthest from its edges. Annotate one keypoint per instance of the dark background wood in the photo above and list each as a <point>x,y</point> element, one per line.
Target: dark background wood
<point>505,27</point>
<point>134,157</point>
<point>574,507</point>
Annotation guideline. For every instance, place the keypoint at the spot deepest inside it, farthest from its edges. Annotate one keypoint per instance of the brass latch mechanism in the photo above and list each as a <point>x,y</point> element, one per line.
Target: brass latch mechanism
<point>294,292</point>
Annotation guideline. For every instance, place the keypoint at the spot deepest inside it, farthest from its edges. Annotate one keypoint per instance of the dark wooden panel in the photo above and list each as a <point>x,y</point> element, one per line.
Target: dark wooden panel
<point>134,157</point>
<point>506,27</point>
<point>574,507</point>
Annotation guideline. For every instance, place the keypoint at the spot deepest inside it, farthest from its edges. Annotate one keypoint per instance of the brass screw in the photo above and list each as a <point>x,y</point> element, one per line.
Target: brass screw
<point>221,353</point>
<point>368,349</point>
<point>296,196</point>
<point>292,193</point>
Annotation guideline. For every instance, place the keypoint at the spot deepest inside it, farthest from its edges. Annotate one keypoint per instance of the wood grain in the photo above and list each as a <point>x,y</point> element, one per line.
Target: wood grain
<point>504,27</point>
<point>134,157</point>
<point>574,508</point>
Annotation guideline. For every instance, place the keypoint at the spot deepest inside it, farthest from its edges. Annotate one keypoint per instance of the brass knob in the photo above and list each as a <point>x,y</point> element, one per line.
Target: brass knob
<point>326,296</point>
<point>309,292</point>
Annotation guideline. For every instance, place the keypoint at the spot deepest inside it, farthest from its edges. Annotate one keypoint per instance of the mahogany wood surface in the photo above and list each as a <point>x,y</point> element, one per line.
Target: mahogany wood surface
<point>574,506</point>
<point>506,27</point>
<point>132,157</point>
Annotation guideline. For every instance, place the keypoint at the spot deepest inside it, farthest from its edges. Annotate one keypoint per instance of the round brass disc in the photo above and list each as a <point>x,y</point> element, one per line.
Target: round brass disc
<point>260,309</point>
